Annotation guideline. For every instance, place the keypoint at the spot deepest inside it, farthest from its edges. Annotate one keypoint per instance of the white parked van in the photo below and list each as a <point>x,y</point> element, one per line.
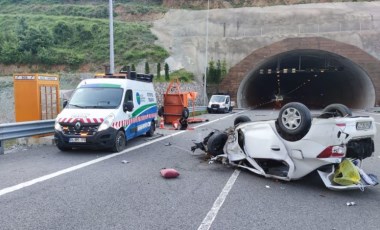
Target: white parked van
<point>220,103</point>
<point>107,111</point>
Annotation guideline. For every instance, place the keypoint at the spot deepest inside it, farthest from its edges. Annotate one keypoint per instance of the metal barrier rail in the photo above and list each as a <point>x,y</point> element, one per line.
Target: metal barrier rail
<point>31,128</point>
<point>24,129</point>
<point>197,108</point>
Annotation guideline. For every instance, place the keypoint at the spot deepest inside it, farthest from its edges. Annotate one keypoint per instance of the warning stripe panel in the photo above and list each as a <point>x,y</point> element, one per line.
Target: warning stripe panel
<point>126,122</point>
<point>82,120</point>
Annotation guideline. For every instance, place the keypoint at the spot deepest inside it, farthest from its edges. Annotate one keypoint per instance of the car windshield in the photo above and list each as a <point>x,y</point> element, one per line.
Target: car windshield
<point>217,98</point>
<point>101,98</point>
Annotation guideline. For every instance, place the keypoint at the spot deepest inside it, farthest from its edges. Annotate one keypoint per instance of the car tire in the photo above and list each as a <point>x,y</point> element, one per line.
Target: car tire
<point>337,110</point>
<point>151,130</point>
<point>119,142</point>
<point>216,143</point>
<point>161,112</point>
<point>294,121</point>
<point>241,119</point>
<point>185,113</point>
<point>226,110</point>
<point>209,110</point>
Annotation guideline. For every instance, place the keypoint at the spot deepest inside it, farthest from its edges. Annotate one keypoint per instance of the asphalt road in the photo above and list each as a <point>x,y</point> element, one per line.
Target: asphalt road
<point>43,188</point>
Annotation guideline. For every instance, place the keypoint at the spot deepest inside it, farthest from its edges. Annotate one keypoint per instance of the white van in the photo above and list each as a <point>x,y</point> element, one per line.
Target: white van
<point>220,103</point>
<point>107,111</point>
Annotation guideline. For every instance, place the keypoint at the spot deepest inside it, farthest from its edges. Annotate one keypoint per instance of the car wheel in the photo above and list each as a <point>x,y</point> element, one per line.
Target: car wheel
<point>161,112</point>
<point>119,142</point>
<point>209,110</point>
<point>241,119</point>
<point>230,108</point>
<point>294,121</point>
<point>226,110</point>
<point>337,110</point>
<point>151,129</point>
<point>185,113</point>
<point>216,143</point>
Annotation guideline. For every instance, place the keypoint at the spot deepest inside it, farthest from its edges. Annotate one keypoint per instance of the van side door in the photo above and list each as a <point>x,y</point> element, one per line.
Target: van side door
<point>130,130</point>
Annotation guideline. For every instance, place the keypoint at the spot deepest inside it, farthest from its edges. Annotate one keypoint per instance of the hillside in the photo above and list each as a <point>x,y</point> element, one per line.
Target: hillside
<point>51,35</point>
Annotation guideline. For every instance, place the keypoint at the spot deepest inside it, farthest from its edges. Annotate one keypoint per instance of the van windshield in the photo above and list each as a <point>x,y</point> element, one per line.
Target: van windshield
<point>217,98</point>
<point>101,98</point>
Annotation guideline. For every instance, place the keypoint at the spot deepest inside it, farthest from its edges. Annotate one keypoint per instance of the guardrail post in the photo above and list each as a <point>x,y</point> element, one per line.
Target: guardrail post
<point>1,148</point>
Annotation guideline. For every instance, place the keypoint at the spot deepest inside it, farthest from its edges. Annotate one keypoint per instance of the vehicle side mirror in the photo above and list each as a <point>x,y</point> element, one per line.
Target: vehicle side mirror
<point>65,103</point>
<point>128,106</point>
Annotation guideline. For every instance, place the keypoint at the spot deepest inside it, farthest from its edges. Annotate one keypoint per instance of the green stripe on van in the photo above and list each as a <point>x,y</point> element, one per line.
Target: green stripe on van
<point>142,109</point>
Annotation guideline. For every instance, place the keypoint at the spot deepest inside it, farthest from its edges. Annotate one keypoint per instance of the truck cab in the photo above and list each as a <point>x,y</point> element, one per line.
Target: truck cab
<point>220,103</point>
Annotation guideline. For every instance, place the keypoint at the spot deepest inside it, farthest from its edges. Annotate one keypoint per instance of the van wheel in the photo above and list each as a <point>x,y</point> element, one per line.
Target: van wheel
<point>294,121</point>
<point>151,130</point>
<point>337,110</point>
<point>62,148</point>
<point>216,143</point>
<point>119,142</point>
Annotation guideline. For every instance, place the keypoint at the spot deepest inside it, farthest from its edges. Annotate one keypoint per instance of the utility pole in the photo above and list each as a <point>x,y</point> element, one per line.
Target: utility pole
<point>112,65</point>
<point>205,80</point>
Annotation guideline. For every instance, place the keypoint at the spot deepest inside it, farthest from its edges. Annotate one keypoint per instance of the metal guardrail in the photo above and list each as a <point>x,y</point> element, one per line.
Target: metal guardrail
<point>31,128</point>
<point>24,129</point>
<point>197,108</point>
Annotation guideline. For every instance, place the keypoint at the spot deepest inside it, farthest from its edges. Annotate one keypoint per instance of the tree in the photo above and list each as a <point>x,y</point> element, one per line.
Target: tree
<point>133,68</point>
<point>218,72</point>
<point>167,72</point>
<point>147,67</point>
<point>158,70</point>
<point>224,68</point>
<point>211,72</point>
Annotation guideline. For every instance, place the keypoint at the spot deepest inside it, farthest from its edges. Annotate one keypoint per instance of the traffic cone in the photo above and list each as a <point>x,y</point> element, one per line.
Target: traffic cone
<point>162,125</point>
<point>175,125</point>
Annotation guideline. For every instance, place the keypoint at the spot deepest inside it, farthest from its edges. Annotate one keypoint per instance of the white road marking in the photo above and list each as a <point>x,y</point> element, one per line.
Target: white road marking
<point>76,167</point>
<point>210,217</point>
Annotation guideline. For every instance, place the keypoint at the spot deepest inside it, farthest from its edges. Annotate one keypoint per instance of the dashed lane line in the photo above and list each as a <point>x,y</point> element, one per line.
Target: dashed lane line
<point>211,215</point>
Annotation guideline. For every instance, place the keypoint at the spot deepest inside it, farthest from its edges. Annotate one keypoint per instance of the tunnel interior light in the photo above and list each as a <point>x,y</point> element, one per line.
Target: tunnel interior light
<point>293,70</point>
<point>261,71</point>
<point>269,71</point>
<point>285,71</point>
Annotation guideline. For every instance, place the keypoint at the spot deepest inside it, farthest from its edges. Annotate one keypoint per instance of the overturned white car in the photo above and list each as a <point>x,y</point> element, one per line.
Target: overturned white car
<point>296,144</point>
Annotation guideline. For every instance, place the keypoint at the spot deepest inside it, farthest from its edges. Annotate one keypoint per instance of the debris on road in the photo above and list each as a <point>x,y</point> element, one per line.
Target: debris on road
<point>267,186</point>
<point>351,203</point>
<point>124,161</point>
<point>169,173</point>
<point>168,144</point>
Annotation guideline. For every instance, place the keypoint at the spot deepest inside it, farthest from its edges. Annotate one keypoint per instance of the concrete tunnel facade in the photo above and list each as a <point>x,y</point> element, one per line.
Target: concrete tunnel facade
<point>315,71</point>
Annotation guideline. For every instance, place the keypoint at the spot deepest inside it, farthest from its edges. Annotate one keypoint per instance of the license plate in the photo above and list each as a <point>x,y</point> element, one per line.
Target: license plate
<point>77,140</point>
<point>363,125</point>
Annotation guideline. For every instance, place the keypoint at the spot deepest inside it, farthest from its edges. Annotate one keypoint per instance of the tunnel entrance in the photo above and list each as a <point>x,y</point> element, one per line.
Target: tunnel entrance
<point>315,78</point>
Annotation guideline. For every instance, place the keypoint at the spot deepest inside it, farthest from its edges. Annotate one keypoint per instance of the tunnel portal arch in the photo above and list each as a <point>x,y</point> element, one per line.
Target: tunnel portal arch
<point>315,71</point>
